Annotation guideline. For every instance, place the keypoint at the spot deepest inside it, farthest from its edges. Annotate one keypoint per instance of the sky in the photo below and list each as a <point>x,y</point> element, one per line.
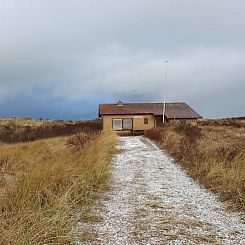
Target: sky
<point>60,58</point>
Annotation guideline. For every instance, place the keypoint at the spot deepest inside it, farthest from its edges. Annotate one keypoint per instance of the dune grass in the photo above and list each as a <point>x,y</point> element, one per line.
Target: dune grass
<point>44,185</point>
<point>214,155</point>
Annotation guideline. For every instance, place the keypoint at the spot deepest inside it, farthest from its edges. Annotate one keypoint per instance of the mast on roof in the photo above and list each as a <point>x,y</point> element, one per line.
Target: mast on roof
<point>164,88</point>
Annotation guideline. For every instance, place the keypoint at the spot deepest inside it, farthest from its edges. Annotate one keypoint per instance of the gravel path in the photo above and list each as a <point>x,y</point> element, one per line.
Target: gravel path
<point>152,201</point>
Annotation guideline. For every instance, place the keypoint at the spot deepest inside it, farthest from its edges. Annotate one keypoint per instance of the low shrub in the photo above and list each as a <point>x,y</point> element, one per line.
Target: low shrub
<point>15,134</point>
<point>80,139</point>
<point>226,152</point>
<point>238,122</point>
<point>154,134</point>
<point>193,133</point>
<point>172,140</point>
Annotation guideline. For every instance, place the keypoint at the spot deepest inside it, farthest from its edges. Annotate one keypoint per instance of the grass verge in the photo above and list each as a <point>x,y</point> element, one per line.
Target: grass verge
<point>214,155</point>
<point>45,183</point>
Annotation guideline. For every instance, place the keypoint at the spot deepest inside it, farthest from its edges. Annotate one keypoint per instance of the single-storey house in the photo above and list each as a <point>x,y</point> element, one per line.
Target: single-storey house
<point>133,117</point>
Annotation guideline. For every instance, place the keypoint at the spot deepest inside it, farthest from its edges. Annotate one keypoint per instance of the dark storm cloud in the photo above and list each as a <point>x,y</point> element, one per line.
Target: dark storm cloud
<point>60,58</point>
<point>39,104</point>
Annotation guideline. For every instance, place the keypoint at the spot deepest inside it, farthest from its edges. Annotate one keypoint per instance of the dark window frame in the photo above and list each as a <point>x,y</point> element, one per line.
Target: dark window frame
<point>146,120</point>
<point>122,119</point>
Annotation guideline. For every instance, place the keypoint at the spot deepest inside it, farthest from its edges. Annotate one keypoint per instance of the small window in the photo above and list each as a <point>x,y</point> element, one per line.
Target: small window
<point>117,124</point>
<point>127,123</point>
<point>145,120</point>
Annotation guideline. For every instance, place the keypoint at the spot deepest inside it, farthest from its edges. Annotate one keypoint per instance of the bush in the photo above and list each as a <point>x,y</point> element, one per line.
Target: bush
<point>172,140</point>
<point>192,132</point>
<point>153,134</point>
<point>227,153</point>
<point>229,122</point>
<point>80,139</point>
<point>15,134</point>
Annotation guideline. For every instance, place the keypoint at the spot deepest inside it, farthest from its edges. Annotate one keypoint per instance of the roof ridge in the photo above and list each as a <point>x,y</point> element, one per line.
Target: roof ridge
<point>130,103</point>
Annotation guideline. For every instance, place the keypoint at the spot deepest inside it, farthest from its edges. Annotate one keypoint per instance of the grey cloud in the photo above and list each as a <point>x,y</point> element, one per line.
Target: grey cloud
<point>109,50</point>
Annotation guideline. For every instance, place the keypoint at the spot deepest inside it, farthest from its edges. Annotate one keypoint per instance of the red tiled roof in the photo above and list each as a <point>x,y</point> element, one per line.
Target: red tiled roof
<point>173,110</point>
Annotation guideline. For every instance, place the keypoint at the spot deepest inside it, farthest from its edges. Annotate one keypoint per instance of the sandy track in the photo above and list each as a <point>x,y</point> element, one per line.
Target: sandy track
<point>153,201</point>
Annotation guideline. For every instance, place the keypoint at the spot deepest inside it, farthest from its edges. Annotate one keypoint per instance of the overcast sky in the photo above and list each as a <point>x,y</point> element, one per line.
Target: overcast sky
<point>59,59</point>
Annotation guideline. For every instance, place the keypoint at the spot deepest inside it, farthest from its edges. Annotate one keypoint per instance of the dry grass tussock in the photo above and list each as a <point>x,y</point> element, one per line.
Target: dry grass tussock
<point>212,154</point>
<point>45,184</point>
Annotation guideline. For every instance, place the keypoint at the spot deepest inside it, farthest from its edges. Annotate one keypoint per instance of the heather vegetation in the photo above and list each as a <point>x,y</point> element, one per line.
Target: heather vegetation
<point>48,185</point>
<point>13,130</point>
<point>236,122</point>
<point>213,153</point>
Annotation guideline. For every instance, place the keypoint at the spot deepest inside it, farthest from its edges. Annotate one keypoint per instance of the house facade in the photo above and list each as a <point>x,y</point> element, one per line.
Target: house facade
<point>136,117</point>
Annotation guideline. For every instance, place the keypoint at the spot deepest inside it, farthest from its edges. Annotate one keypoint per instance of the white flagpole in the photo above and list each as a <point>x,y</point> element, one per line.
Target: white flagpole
<point>164,92</point>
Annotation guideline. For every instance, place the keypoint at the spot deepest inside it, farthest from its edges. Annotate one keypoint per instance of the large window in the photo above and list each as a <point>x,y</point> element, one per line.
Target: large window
<point>127,124</point>
<point>122,124</point>
<point>117,124</point>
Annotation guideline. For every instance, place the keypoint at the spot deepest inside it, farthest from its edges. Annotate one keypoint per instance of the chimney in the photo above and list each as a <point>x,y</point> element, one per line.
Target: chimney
<point>119,103</point>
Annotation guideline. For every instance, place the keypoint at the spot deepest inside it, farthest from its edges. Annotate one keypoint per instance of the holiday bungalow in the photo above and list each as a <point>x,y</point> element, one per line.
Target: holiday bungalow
<point>136,117</point>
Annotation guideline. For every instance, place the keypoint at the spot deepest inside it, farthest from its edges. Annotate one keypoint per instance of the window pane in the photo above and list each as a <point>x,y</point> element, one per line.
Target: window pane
<point>145,120</point>
<point>127,124</point>
<point>117,124</point>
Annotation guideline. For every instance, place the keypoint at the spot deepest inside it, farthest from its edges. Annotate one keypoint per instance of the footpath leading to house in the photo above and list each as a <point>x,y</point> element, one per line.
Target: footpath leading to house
<point>152,201</point>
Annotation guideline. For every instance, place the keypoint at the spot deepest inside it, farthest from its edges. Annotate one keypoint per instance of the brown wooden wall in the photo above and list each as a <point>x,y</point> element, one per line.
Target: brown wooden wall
<point>188,121</point>
<point>138,121</point>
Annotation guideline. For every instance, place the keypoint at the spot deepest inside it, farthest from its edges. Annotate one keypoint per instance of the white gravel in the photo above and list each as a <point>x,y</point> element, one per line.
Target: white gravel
<point>152,201</point>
